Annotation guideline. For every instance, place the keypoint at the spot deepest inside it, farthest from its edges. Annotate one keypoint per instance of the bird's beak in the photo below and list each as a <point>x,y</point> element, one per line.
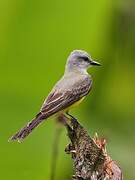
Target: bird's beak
<point>94,63</point>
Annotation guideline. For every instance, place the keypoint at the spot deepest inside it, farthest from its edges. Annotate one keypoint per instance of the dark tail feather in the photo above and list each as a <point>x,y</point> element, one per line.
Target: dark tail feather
<point>25,131</point>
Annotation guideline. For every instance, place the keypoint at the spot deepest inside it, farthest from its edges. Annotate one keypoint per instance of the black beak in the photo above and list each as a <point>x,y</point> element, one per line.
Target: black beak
<point>94,63</point>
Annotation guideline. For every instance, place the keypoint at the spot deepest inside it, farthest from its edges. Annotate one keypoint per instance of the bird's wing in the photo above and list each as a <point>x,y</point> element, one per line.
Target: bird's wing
<point>59,100</point>
<point>56,101</point>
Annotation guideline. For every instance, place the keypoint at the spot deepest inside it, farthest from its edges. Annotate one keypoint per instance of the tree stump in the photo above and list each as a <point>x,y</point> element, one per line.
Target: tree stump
<point>89,155</point>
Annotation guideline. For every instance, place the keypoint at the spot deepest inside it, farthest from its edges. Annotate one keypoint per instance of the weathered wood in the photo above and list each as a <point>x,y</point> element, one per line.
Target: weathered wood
<point>90,159</point>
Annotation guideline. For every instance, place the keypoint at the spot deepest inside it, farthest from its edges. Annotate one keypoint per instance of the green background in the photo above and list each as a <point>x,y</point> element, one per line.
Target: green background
<point>35,39</point>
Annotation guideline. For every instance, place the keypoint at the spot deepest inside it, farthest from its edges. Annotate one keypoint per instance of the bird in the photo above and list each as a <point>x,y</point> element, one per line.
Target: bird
<point>67,93</point>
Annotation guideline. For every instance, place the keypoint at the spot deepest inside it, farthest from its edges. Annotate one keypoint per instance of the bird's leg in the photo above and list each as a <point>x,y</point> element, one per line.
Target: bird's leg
<point>66,119</point>
<point>72,117</point>
<point>72,120</point>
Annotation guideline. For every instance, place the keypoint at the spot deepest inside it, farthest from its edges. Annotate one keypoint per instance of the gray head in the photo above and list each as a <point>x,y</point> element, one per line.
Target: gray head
<point>80,61</point>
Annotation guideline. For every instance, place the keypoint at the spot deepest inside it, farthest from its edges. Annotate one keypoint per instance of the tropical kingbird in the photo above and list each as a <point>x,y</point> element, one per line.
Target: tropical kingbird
<point>68,92</point>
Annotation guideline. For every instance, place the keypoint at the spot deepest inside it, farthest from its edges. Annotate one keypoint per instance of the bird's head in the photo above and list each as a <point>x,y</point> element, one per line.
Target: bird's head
<point>80,60</point>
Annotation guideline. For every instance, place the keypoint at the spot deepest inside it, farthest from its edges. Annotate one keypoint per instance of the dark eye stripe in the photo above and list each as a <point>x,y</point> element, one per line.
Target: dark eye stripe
<point>86,58</point>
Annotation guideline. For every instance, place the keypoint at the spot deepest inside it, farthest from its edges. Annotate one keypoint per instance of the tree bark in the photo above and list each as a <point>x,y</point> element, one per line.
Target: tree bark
<point>89,155</point>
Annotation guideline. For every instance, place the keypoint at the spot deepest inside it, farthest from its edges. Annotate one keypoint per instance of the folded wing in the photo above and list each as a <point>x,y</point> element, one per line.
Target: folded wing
<point>57,101</point>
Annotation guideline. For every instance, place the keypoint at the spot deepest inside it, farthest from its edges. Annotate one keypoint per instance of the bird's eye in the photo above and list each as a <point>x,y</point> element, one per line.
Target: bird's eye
<point>85,58</point>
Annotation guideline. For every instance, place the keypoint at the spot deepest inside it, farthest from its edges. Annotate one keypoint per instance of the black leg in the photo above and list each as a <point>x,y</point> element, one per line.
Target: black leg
<point>70,115</point>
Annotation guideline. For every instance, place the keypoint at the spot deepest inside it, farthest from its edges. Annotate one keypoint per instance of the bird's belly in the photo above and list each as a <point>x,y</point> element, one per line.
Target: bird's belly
<point>74,105</point>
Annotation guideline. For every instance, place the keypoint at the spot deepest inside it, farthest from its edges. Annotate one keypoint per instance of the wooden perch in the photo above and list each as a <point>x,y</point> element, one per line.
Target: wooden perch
<point>90,159</point>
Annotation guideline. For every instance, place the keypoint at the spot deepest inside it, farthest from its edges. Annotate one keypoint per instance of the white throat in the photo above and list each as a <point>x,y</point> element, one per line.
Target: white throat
<point>75,70</point>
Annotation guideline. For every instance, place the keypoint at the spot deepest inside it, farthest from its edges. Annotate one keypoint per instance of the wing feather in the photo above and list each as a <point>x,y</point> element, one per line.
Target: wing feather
<point>59,100</point>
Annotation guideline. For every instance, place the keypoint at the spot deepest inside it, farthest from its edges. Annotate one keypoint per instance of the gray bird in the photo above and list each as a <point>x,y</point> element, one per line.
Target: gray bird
<point>67,93</point>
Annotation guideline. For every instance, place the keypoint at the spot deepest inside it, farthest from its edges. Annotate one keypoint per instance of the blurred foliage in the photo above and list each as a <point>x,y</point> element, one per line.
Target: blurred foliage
<point>36,38</point>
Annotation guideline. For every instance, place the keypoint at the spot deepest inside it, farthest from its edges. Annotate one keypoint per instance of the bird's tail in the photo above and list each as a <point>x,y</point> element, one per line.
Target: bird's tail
<point>26,130</point>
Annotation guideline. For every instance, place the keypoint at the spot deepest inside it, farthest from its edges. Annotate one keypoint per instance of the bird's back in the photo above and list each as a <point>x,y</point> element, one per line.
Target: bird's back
<point>72,81</point>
